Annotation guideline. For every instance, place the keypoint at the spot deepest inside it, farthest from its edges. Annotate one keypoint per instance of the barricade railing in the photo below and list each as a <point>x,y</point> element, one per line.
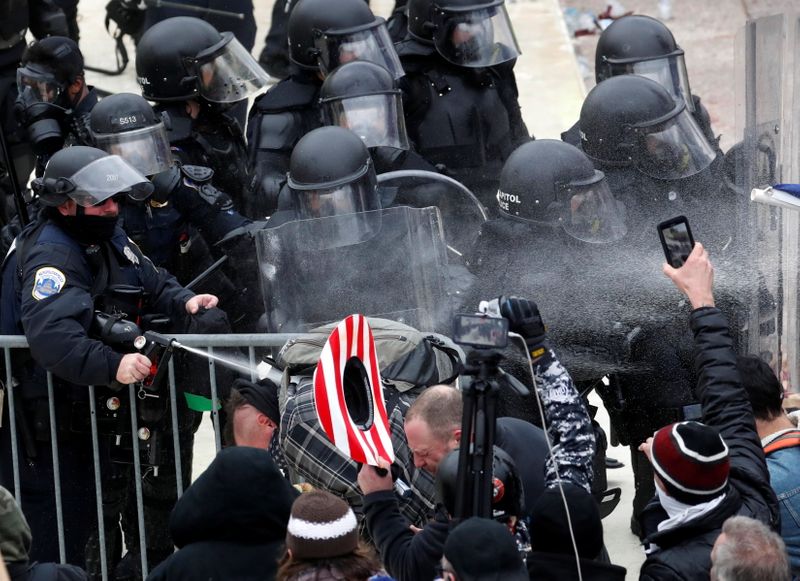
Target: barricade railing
<point>203,347</point>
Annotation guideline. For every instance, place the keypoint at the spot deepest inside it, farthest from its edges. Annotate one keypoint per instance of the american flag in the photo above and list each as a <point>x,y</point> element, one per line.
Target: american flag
<point>365,444</point>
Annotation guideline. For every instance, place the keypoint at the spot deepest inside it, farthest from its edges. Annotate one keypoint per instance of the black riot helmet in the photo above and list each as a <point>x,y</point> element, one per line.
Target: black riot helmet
<point>331,173</point>
<point>467,33</point>
<point>551,182</point>
<point>508,497</point>
<point>420,20</point>
<point>88,176</point>
<point>641,45</point>
<point>632,120</point>
<point>125,124</point>
<point>323,36</point>
<point>184,57</point>
<point>363,97</point>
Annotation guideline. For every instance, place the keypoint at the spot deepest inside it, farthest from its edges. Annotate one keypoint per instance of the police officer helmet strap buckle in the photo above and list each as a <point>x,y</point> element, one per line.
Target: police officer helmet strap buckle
<point>197,173</point>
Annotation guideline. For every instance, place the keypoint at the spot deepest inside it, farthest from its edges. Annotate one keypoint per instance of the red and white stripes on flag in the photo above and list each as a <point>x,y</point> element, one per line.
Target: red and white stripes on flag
<point>352,338</point>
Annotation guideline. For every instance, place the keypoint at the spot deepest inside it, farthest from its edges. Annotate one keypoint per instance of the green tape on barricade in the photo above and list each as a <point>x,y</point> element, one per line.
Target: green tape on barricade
<point>199,403</point>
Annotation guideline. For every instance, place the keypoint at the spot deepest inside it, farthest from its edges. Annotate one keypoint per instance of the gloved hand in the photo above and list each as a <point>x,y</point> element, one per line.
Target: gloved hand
<point>524,318</point>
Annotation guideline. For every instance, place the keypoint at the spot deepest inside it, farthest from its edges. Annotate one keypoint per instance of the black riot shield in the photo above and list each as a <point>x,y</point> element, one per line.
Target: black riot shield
<point>767,94</point>
<point>389,263</point>
<point>462,213</point>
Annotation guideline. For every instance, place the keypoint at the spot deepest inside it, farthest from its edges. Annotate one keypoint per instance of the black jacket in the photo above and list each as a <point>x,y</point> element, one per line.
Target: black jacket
<point>553,567</point>
<point>685,551</point>
<point>406,556</point>
<point>231,523</point>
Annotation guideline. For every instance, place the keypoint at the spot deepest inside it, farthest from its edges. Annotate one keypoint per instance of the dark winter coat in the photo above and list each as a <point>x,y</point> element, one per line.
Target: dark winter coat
<point>553,567</point>
<point>685,551</point>
<point>231,523</point>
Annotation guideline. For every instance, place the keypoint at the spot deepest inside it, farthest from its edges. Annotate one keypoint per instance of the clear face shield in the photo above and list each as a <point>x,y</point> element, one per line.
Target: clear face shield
<point>357,196</point>
<point>480,37</point>
<point>376,119</point>
<point>594,215</point>
<point>669,72</point>
<point>106,177</point>
<point>228,73</point>
<point>146,149</point>
<point>673,149</point>
<point>371,43</point>
<point>40,84</point>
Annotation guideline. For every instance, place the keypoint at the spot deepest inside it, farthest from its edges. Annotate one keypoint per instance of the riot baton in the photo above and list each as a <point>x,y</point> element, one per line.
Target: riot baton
<point>19,201</point>
<point>190,8</point>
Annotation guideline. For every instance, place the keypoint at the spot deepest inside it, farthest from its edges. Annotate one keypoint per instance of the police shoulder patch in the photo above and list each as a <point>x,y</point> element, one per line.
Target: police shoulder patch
<point>49,281</point>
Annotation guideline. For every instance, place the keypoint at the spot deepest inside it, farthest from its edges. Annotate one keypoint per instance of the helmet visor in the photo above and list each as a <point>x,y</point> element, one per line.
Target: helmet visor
<point>376,119</point>
<point>594,215</point>
<point>146,149</point>
<point>673,150</point>
<point>669,72</point>
<point>355,197</point>
<point>104,178</point>
<point>475,38</point>
<point>372,44</point>
<point>229,73</point>
<point>41,84</point>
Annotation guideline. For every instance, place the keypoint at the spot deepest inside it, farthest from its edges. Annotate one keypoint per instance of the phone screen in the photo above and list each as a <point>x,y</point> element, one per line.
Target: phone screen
<point>480,331</point>
<point>678,243</point>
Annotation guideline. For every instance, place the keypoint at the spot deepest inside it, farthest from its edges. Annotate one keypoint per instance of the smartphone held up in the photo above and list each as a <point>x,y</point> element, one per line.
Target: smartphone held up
<point>676,240</point>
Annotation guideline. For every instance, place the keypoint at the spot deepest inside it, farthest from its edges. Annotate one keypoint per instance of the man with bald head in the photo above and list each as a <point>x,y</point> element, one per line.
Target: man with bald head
<point>433,428</point>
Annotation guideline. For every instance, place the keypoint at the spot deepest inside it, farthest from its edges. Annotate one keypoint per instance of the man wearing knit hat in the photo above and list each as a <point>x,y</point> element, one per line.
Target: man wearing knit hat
<point>479,549</point>
<point>704,472</point>
<point>253,414</point>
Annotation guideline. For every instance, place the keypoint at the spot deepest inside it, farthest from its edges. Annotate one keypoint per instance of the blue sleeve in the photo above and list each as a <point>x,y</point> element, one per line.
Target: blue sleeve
<point>56,311</point>
<point>208,209</point>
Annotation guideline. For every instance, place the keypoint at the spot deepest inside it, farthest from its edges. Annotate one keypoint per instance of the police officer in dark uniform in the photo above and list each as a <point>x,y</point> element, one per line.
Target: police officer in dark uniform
<point>659,162</point>
<point>461,106</point>
<point>54,100</point>
<point>641,45</point>
<point>320,39</point>
<point>363,97</point>
<point>185,204</point>
<point>71,261</point>
<point>176,225</point>
<point>196,75</point>
<point>655,157</point>
<point>43,18</point>
<point>555,212</point>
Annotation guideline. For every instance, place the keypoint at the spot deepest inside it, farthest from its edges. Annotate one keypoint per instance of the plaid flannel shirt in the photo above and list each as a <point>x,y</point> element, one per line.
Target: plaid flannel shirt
<point>313,458</point>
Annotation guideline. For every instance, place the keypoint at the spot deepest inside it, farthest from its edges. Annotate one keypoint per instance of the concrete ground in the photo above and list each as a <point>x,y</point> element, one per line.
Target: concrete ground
<point>553,74</point>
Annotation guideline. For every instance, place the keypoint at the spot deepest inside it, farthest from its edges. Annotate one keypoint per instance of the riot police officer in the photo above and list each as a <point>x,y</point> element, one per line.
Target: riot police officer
<point>74,259</point>
<point>184,205</point>
<point>320,39</point>
<point>197,74</point>
<point>641,45</point>
<point>175,226</point>
<point>43,18</point>
<point>660,163</point>
<point>54,100</point>
<point>655,157</point>
<point>557,224</point>
<point>461,106</point>
<point>364,98</point>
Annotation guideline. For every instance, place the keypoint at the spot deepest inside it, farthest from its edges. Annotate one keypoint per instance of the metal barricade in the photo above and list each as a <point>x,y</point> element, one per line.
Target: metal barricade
<point>202,346</point>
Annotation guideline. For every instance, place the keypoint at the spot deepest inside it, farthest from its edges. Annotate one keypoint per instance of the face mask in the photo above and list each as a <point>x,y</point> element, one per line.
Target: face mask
<point>90,229</point>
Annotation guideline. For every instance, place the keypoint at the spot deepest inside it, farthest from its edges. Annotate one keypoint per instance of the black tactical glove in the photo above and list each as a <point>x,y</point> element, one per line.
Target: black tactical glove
<point>524,318</point>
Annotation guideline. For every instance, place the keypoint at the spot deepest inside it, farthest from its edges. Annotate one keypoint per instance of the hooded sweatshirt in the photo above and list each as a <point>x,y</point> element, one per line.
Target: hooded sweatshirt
<point>231,523</point>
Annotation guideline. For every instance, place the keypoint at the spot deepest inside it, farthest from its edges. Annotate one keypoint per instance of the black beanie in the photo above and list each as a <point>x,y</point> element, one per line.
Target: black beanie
<point>262,395</point>
<point>550,528</point>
